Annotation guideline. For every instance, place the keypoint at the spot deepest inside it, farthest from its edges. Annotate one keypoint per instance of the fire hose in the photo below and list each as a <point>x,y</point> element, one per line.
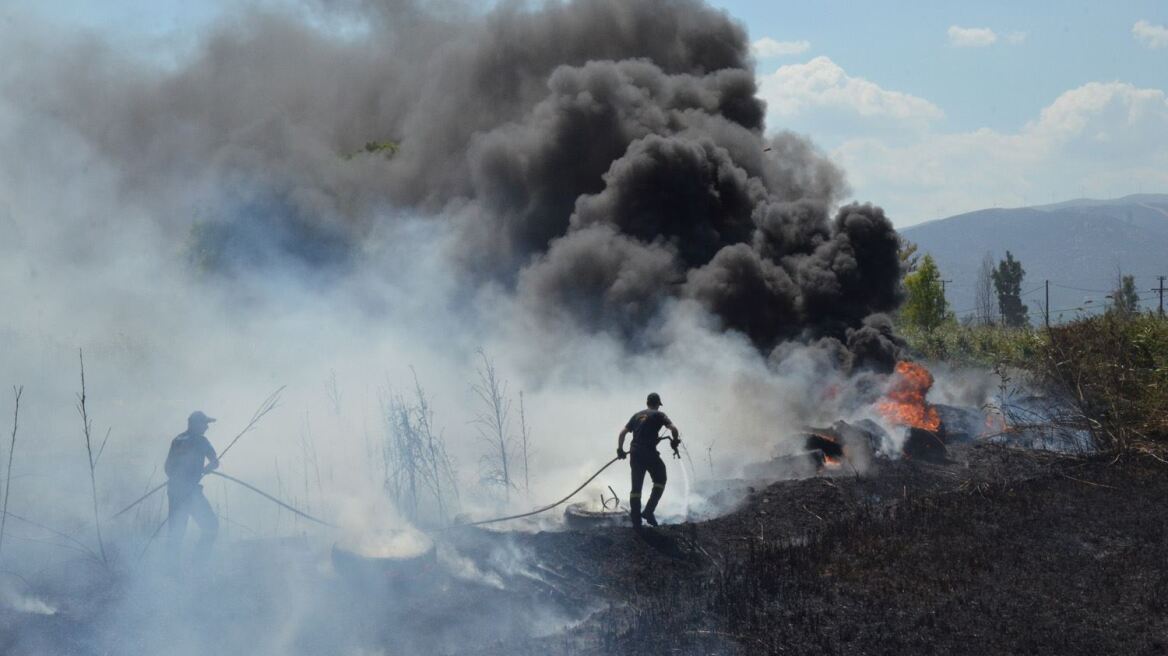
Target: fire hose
<point>324,523</point>
<point>249,486</point>
<point>537,510</point>
<point>478,523</point>
<point>672,442</point>
<point>273,499</point>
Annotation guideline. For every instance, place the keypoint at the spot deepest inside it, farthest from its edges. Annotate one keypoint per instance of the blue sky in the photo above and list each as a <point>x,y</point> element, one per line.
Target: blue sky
<point>904,46</point>
<point>937,108</point>
<point>933,108</point>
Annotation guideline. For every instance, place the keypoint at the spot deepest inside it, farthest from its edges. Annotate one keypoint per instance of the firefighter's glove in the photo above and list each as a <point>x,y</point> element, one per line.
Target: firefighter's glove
<point>675,442</point>
<point>621,453</point>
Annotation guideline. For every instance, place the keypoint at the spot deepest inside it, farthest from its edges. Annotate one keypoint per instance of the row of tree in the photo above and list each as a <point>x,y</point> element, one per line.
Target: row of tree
<point>997,293</point>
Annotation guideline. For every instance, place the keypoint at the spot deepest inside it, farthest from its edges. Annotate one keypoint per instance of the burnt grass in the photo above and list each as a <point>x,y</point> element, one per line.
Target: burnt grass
<point>996,551</point>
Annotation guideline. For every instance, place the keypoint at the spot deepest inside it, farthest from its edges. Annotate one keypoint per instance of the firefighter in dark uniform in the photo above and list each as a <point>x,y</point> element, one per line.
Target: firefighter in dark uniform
<point>643,457</point>
<point>191,455</point>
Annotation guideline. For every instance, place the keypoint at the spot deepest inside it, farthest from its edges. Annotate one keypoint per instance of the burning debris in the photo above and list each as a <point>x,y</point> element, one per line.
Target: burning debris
<point>828,445</point>
<point>905,402</point>
<point>906,406</point>
<point>923,444</point>
<point>910,427</point>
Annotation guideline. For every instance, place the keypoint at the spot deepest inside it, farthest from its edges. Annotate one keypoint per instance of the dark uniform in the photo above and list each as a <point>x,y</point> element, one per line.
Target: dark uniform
<point>643,457</point>
<point>185,464</point>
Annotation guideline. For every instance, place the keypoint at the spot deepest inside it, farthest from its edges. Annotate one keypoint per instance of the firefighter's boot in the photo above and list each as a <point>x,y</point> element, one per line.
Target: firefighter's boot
<point>651,506</point>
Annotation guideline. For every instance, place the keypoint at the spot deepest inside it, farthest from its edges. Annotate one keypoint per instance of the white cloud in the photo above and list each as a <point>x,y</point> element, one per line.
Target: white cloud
<point>1150,35</point>
<point>971,37</point>
<point>1100,139</point>
<point>1102,107</point>
<point>1015,38</point>
<point>799,89</point>
<point>767,47</point>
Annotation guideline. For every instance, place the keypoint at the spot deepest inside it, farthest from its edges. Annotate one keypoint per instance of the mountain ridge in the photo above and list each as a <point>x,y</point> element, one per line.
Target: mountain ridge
<point>1080,245</point>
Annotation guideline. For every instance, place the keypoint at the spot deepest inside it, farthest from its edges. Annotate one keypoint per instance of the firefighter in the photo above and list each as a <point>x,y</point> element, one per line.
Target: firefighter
<point>645,425</point>
<point>191,456</point>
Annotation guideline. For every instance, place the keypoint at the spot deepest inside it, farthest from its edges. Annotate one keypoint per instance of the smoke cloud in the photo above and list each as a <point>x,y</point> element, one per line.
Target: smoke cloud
<point>598,157</point>
<point>351,198</point>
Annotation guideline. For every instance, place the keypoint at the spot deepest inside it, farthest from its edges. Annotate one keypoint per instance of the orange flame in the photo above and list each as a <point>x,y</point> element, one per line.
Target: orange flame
<point>905,403</point>
<point>995,424</point>
<point>829,461</point>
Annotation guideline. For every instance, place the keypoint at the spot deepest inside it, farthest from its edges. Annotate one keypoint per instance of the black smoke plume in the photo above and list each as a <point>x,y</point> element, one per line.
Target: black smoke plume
<point>602,158</point>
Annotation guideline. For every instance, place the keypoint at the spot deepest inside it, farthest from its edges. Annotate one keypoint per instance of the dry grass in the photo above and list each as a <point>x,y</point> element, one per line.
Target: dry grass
<point>1115,370</point>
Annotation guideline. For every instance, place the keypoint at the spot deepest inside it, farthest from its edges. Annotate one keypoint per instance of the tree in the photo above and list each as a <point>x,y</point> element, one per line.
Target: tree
<point>909,257</point>
<point>1008,285</point>
<point>525,442</point>
<point>1125,300</point>
<point>985,303</point>
<point>493,422</point>
<point>418,470</point>
<point>925,305</point>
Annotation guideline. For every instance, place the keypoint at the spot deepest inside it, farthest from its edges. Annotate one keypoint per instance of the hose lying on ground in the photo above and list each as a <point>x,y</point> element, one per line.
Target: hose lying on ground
<point>537,510</point>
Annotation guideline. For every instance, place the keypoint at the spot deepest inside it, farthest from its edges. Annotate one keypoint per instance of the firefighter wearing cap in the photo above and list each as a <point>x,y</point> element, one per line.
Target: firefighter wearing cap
<point>191,455</point>
<point>643,457</point>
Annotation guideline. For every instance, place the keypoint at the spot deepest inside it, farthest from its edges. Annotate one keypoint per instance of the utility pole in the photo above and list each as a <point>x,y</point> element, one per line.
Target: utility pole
<point>943,298</point>
<point>1046,311</point>
<point>1161,290</point>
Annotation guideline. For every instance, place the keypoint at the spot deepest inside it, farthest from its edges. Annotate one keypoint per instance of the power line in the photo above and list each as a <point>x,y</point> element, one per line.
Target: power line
<point>1083,289</point>
<point>1080,308</point>
<point>1088,305</point>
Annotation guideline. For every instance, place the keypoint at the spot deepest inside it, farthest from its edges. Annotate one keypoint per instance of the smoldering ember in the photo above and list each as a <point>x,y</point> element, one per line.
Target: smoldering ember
<point>399,327</point>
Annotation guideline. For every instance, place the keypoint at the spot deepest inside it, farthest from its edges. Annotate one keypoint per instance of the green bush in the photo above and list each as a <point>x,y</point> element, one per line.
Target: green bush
<point>975,345</point>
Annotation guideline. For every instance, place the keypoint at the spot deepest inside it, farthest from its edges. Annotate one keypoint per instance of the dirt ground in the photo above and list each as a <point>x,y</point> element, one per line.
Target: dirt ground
<point>995,551</point>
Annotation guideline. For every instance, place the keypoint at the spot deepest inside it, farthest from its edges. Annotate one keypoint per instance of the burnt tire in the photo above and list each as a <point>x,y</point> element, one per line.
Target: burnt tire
<point>579,516</point>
